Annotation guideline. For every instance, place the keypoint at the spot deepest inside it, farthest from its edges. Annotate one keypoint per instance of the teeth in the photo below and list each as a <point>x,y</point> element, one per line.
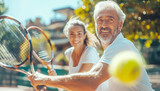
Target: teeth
<point>105,31</point>
<point>76,42</point>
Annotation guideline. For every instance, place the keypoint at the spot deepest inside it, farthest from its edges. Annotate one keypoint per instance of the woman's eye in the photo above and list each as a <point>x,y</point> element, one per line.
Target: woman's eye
<point>71,33</point>
<point>79,34</point>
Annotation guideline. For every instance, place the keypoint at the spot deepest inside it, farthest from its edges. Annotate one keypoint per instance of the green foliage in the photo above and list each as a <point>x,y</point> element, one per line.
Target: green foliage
<point>85,13</point>
<point>142,22</point>
<point>3,9</point>
<point>61,59</point>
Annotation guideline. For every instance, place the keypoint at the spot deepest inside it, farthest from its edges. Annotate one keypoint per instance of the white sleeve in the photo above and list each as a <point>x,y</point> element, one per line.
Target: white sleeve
<point>67,53</point>
<point>90,56</point>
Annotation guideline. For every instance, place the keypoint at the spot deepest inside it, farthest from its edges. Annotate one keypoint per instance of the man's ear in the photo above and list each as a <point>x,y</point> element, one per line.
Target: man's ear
<point>120,26</point>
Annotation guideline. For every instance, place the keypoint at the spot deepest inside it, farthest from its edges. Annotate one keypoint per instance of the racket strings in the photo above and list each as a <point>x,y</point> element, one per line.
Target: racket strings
<point>24,50</point>
<point>6,57</point>
<point>14,47</point>
<point>40,46</point>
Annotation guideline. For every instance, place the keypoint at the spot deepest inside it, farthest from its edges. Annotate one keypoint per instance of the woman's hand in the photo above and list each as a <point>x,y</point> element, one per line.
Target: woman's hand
<point>52,72</point>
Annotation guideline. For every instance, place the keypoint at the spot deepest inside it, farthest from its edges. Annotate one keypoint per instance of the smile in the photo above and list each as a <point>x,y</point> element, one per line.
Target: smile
<point>76,42</point>
<point>105,32</point>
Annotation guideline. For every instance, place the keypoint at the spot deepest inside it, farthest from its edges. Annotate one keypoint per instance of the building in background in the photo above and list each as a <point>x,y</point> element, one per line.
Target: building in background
<point>55,29</point>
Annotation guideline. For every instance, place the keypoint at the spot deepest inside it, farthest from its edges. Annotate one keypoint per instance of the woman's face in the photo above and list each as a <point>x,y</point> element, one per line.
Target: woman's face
<point>76,36</point>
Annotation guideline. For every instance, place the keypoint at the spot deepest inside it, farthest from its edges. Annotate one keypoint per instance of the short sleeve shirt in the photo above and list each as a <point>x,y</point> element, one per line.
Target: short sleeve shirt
<point>89,55</point>
<point>121,44</point>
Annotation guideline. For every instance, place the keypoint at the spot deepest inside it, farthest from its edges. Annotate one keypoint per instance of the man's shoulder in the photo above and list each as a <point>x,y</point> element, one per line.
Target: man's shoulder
<point>126,43</point>
<point>114,49</point>
<point>122,45</point>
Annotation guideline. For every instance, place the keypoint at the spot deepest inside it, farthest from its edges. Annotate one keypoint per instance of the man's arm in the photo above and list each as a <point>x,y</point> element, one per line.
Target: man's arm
<point>79,81</point>
<point>85,67</point>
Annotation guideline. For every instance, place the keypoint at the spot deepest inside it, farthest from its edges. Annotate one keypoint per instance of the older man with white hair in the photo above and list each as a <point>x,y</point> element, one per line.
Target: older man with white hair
<point>109,19</point>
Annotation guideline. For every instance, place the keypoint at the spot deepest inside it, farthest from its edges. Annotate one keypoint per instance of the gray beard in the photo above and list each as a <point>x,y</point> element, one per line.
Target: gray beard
<point>105,40</point>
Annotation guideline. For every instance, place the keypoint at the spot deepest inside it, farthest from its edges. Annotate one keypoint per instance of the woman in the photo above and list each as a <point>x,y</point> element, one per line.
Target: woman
<point>81,55</point>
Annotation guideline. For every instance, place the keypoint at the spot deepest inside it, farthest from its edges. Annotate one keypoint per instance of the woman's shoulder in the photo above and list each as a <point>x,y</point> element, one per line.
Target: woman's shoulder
<point>90,48</point>
<point>69,50</point>
<point>90,55</point>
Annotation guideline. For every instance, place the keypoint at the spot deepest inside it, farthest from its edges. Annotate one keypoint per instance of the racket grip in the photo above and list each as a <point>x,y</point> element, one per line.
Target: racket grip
<point>42,88</point>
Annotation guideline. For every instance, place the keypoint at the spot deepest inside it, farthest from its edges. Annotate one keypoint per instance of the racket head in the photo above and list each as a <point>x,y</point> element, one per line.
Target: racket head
<point>42,45</point>
<point>15,49</point>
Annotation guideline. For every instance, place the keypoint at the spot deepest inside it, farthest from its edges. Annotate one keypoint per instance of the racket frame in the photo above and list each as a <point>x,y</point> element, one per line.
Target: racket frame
<point>31,28</point>
<point>15,67</point>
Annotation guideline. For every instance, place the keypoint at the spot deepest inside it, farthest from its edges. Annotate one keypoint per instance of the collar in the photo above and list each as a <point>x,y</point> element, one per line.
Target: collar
<point>116,40</point>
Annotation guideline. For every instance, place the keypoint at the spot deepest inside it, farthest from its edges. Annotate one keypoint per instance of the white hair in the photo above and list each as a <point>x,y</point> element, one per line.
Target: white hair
<point>104,5</point>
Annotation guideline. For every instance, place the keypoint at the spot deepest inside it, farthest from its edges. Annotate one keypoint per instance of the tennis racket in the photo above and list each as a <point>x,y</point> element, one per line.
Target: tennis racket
<point>15,49</point>
<point>42,46</point>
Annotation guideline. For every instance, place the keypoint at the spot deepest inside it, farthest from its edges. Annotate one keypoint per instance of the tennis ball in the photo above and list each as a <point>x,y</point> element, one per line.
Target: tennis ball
<point>126,67</point>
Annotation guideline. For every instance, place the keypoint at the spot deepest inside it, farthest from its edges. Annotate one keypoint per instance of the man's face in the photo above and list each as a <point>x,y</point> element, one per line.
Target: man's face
<point>107,25</point>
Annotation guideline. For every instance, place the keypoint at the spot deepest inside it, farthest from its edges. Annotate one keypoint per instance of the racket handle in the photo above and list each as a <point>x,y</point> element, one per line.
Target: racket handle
<point>42,88</point>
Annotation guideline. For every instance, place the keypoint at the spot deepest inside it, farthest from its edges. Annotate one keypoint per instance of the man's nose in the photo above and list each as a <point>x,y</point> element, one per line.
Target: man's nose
<point>104,23</point>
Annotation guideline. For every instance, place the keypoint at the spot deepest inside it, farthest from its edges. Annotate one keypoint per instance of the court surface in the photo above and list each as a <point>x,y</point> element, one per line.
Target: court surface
<point>18,88</point>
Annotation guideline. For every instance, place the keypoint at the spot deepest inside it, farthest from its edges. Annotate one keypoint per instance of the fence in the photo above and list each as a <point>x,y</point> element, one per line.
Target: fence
<point>152,55</point>
<point>13,79</point>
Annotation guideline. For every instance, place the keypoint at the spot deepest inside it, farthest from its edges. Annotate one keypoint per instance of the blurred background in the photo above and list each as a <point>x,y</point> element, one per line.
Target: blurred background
<point>142,27</point>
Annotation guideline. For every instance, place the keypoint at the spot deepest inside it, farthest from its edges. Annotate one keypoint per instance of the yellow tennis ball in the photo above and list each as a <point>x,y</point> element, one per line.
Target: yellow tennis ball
<point>126,67</point>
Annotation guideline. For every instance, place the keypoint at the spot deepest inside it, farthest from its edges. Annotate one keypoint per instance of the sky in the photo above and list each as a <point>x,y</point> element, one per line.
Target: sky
<point>24,10</point>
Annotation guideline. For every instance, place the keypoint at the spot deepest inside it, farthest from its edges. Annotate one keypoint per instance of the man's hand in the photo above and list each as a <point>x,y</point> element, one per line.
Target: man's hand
<point>37,81</point>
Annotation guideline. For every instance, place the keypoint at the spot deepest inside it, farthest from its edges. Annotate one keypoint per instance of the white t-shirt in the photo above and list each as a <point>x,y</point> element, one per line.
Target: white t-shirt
<point>89,55</point>
<point>118,45</point>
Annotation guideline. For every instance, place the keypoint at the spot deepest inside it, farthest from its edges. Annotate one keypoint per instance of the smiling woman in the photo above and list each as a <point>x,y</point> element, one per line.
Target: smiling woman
<point>81,55</point>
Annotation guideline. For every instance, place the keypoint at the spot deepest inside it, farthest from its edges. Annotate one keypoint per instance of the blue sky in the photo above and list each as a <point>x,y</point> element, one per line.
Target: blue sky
<point>30,9</point>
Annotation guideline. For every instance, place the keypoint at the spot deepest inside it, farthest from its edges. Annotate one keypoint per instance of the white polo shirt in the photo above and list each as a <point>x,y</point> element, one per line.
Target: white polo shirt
<point>118,45</point>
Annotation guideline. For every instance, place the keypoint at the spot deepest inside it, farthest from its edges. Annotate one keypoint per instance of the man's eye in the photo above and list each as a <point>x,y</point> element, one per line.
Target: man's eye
<point>111,20</point>
<point>100,21</point>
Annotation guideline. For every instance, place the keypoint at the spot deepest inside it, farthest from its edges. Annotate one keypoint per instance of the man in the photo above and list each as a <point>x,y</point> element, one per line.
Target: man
<point>109,19</point>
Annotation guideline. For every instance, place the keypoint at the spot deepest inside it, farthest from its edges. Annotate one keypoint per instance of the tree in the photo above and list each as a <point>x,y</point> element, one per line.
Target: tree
<point>85,13</point>
<point>142,24</point>
<point>142,19</point>
<point>3,9</point>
